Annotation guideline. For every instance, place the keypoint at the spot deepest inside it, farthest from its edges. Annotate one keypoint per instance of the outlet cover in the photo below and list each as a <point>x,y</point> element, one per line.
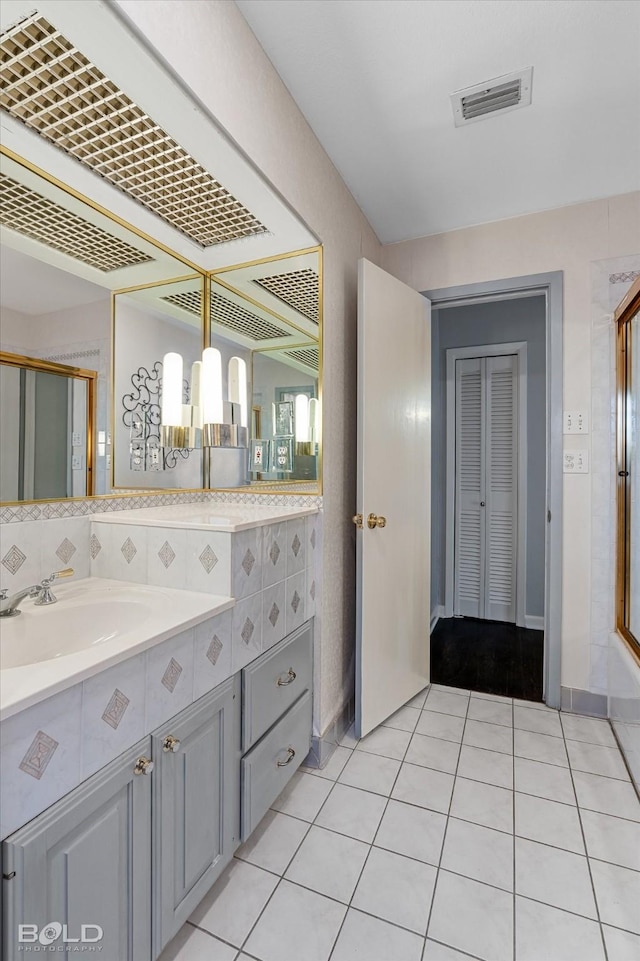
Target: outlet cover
<point>576,422</point>
<point>76,439</point>
<point>576,462</point>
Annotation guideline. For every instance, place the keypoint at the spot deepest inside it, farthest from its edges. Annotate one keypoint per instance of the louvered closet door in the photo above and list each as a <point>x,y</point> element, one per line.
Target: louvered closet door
<point>486,488</point>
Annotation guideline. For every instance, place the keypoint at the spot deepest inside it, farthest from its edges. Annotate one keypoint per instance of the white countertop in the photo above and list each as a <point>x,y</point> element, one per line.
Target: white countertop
<point>210,517</point>
<point>142,616</point>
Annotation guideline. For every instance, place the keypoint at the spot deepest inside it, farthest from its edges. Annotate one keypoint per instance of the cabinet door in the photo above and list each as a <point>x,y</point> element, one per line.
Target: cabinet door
<point>85,861</point>
<point>196,805</point>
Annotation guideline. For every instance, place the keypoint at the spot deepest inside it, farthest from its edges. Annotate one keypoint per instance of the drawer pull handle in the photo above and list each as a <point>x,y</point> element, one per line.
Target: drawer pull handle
<point>289,678</point>
<point>291,754</point>
<point>143,765</point>
<point>171,744</point>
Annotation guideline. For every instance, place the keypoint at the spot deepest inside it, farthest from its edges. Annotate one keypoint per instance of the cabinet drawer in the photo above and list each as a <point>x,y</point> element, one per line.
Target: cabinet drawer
<point>274,682</point>
<point>268,768</point>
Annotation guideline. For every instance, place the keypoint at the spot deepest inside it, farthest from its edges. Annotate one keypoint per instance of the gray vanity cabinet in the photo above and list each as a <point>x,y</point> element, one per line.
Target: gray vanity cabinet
<point>85,861</point>
<point>195,805</point>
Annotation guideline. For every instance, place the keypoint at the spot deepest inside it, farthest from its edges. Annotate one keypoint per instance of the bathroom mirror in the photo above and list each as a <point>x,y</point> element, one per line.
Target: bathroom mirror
<point>269,313</point>
<point>149,323</point>
<point>61,259</point>
<point>47,429</point>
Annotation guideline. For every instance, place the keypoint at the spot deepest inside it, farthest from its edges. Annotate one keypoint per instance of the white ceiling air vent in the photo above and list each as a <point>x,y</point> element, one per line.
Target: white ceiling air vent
<point>234,317</point>
<point>50,86</point>
<point>309,356</point>
<point>41,219</point>
<point>500,95</point>
<point>297,289</point>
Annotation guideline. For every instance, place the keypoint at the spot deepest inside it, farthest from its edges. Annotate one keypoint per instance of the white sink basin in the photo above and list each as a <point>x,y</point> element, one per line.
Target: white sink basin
<point>71,625</point>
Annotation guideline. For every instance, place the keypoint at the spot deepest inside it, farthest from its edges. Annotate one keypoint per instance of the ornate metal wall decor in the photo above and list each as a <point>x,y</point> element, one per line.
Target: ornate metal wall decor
<point>141,415</point>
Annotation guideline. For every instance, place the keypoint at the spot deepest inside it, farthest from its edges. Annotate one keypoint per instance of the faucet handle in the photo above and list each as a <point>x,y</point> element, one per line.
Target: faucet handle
<point>67,572</point>
<point>4,593</point>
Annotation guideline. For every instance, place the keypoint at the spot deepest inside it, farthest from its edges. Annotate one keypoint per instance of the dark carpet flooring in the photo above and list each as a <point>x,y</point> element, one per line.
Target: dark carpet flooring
<point>488,656</point>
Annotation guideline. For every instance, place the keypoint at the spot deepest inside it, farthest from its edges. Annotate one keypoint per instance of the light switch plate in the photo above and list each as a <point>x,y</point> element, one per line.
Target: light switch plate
<point>576,462</point>
<point>576,422</point>
<point>76,439</point>
<point>76,462</point>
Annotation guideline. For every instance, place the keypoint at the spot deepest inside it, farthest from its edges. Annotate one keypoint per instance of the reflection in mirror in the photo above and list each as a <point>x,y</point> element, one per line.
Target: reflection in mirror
<point>157,342</point>
<point>46,429</point>
<point>60,259</point>
<point>269,313</point>
<point>633,466</point>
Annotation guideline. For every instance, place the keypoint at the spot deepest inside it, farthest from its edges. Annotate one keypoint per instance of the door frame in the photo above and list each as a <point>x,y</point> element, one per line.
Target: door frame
<point>519,348</point>
<point>551,286</point>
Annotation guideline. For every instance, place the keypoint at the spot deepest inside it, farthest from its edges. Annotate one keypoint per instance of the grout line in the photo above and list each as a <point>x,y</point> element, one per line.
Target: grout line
<point>349,906</point>
<point>586,851</point>
<point>513,839</point>
<point>446,827</point>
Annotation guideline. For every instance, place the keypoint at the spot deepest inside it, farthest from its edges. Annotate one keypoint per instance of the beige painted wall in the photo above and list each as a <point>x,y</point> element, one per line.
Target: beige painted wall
<point>210,45</point>
<point>567,239</point>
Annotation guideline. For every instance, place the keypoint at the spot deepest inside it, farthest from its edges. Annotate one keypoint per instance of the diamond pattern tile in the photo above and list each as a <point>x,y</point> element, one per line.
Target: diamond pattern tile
<point>274,553</point>
<point>296,544</point>
<point>248,562</point>
<point>129,550</point>
<point>208,559</point>
<point>274,614</point>
<point>66,550</point>
<point>167,555</point>
<point>38,756</point>
<point>247,630</point>
<point>295,602</point>
<point>215,649</point>
<point>94,547</point>
<point>114,711</point>
<point>14,559</point>
<point>172,675</point>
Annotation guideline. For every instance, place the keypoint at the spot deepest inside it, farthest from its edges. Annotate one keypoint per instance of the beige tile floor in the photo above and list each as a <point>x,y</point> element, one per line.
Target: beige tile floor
<point>466,826</point>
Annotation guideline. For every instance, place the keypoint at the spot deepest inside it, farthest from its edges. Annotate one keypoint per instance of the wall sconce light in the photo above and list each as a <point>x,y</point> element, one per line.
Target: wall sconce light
<point>179,422</point>
<point>305,424</point>
<point>225,425</point>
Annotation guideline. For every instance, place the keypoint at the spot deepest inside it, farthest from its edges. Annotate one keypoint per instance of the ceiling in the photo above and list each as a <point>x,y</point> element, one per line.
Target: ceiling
<point>33,287</point>
<point>374,78</point>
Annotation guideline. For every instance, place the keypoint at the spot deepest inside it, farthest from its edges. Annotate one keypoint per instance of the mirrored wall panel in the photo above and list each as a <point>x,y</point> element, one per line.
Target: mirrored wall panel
<point>157,362</point>
<point>60,261</point>
<point>266,320</point>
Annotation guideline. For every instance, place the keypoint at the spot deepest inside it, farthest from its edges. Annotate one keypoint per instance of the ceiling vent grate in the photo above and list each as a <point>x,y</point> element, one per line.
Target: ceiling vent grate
<point>189,300</point>
<point>50,86</point>
<point>41,219</point>
<point>500,95</point>
<point>234,317</point>
<point>297,289</point>
<point>309,356</point>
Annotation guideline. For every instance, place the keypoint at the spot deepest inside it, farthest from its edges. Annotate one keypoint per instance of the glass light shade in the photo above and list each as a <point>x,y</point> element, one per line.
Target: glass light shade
<point>238,386</point>
<point>314,420</point>
<point>302,418</point>
<point>196,389</point>
<point>171,400</point>
<point>211,386</point>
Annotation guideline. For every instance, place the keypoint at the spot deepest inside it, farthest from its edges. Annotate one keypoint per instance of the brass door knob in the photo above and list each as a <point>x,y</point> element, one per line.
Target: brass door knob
<point>144,765</point>
<point>171,744</point>
<point>376,520</point>
<point>357,520</point>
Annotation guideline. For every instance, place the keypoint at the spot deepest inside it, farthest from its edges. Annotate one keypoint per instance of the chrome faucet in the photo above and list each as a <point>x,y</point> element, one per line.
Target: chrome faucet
<point>10,605</point>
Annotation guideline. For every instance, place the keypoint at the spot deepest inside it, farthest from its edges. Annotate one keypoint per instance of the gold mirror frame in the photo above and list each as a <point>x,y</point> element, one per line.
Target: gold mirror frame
<point>627,309</point>
<point>76,373</point>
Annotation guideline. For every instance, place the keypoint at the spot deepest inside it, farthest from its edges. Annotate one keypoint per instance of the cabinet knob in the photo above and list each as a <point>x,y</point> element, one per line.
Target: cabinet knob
<point>144,765</point>
<point>171,744</point>
<point>290,756</point>
<point>289,678</point>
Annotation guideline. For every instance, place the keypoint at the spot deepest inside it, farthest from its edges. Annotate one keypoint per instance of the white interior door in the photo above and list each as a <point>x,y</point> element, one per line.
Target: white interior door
<point>486,518</point>
<point>394,482</point>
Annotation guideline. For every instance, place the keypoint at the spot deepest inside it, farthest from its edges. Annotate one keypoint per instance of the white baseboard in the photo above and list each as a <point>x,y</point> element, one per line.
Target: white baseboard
<point>534,622</point>
<point>436,614</point>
